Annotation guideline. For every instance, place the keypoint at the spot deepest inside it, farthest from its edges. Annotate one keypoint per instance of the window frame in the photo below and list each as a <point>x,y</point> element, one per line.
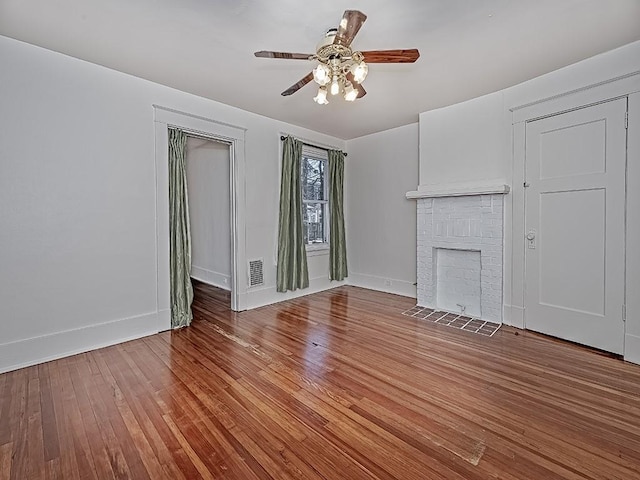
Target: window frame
<point>321,155</point>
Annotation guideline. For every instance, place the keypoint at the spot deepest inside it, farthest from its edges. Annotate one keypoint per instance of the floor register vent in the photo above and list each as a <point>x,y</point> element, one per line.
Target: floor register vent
<point>256,275</point>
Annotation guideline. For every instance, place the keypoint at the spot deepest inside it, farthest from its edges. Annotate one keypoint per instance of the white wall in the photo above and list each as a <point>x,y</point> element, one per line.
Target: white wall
<point>208,175</point>
<point>77,202</point>
<point>381,222</point>
<point>472,142</point>
<point>463,142</point>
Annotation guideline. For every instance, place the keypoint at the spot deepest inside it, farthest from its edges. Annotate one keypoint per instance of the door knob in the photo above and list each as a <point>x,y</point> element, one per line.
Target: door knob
<point>531,239</point>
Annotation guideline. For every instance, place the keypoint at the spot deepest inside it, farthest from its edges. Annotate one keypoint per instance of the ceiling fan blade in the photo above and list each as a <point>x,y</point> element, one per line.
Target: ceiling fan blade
<point>391,56</point>
<point>298,85</point>
<point>361,91</point>
<point>285,55</point>
<point>349,26</point>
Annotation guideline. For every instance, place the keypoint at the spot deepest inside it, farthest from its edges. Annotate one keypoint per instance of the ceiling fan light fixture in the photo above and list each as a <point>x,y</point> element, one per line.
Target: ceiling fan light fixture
<point>321,97</point>
<point>322,74</point>
<point>350,93</point>
<point>340,66</point>
<point>335,86</point>
<point>359,71</point>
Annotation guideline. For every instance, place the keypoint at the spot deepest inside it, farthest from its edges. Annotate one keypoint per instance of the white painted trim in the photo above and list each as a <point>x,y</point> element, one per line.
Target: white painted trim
<point>317,251</point>
<point>632,348</point>
<point>19,354</point>
<point>507,227</point>
<point>224,130</point>
<point>598,92</point>
<point>373,282</point>
<point>513,316</point>
<point>458,190</point>
<point>210,277</point>
<point>235,137</point>
<point>260,297</point>
<point>514,290</point>
<point>632,280</point>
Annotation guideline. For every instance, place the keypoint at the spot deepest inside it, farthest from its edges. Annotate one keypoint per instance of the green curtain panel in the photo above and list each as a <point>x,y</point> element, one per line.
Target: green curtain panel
<point>337,243</point>
<point>292,272</point>
<point>179,232</point>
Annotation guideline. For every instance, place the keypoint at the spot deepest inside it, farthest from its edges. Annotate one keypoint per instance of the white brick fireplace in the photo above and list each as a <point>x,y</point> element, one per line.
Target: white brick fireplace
<point>460,249</point>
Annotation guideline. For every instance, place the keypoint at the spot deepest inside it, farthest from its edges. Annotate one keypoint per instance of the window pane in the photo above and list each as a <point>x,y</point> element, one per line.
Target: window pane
<point>313,179</point>
<point>314,223</point>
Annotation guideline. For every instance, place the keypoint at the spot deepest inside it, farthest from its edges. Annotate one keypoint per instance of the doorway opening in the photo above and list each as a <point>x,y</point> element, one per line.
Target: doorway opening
<point>208,165</point>
<point>233,138</point>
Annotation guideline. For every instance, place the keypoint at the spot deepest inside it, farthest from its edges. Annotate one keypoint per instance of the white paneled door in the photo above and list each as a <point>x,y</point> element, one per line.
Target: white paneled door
<point>575,214</point>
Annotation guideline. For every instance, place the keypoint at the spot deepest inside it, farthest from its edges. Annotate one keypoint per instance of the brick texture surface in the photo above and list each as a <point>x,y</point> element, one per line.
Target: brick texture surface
<point>462,223</point>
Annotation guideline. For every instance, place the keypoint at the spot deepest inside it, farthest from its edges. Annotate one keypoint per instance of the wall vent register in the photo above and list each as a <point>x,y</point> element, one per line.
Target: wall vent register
<point>256,272</point>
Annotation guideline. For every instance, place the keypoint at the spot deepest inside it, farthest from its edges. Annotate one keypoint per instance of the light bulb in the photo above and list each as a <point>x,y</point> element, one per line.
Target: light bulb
<point>360,71</point>
<point>335,86</point>
<point>350,93</point>
<point>321,74</point>
<point>321,97</point>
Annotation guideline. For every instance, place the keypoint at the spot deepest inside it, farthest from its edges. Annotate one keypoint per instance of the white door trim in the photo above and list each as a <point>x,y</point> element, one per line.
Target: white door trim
<point>234,136</point>
<point>578,98</point>
<point>515,235</point>
<point>632,300</point>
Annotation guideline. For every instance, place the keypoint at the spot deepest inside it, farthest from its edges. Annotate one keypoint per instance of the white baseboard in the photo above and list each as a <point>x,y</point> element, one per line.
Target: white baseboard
<point>259,297</point>
<point>164,320</point>
<point>24,353</point>
<point>514,316</point>
<point>210,277</point>
<point>388,285</point>
<point>632,348</point>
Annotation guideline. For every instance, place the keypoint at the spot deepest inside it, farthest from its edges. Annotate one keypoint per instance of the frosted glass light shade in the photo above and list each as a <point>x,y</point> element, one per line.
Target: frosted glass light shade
<point>321,97</point>
<point>360,71</point>
<point>335,86</point>
<point>322,74</point>
<point>350,93</point>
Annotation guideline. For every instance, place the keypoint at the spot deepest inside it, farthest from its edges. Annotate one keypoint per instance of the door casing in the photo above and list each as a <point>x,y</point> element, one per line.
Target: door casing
<point>234,136</point>
<point>516,115</point>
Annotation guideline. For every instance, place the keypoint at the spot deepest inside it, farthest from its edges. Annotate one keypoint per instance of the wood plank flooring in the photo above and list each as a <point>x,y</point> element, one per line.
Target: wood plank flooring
<point>336,385</point>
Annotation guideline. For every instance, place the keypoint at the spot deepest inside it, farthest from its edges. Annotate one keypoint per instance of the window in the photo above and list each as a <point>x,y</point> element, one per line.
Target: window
<point>315,197</point>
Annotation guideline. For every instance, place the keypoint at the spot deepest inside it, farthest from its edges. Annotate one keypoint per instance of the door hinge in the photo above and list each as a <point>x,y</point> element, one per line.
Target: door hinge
<point>624,313</point>
<point>626,120</point>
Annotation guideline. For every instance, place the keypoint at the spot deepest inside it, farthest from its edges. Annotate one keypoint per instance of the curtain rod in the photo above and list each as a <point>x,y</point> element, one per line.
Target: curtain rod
<point>282,137</point>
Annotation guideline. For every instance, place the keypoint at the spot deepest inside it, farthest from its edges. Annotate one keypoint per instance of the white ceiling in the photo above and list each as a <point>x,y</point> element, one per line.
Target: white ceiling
<point>467,48</point>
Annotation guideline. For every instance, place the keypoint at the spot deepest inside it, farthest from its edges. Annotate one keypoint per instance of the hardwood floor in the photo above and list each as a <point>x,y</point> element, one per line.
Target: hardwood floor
<point>337,385</point>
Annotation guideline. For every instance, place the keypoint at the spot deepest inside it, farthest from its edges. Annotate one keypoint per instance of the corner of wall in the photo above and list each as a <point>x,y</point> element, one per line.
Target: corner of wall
<point>260,297</point>
<point>388,285</point>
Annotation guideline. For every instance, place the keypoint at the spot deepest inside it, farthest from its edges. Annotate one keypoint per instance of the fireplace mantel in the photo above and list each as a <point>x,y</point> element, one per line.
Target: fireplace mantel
<point>458,190</point>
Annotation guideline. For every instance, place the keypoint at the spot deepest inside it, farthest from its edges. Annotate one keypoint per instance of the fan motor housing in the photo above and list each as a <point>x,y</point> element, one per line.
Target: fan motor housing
<point>326,52</point>
<point>326,49</point>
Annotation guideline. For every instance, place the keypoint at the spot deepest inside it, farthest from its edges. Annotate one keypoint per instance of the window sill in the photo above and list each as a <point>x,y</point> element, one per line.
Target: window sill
<point>313,250</point>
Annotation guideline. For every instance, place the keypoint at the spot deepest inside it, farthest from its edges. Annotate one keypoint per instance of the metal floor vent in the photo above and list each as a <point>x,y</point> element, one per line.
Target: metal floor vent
<point>256,275</point>
<point>461,322</point>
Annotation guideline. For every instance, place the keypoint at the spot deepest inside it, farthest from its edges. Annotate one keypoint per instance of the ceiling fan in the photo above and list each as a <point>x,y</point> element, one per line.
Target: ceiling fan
<point>341,68</point>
